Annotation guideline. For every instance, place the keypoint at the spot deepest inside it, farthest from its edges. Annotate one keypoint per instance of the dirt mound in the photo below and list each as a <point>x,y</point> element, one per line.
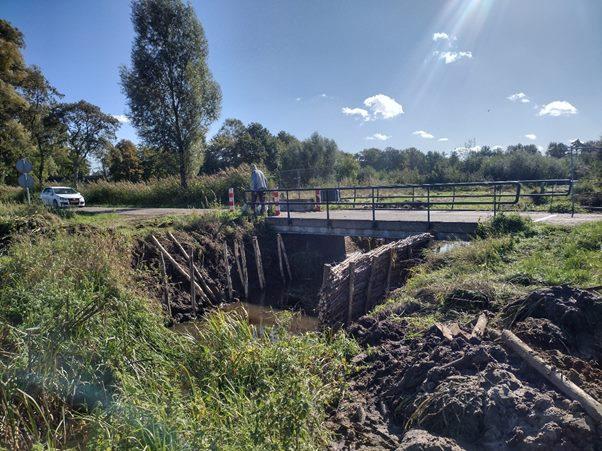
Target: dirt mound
<point>437,393</point>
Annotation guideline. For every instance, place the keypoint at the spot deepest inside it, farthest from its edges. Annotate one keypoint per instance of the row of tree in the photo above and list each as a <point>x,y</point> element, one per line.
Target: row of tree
<point>173,99</point>
<point>59,138</point>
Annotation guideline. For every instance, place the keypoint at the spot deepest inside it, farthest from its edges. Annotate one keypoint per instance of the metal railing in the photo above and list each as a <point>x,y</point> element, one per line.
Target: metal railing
<point>428,196</point>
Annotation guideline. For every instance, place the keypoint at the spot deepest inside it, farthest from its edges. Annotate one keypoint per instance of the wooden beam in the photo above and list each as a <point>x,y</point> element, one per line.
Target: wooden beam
<point>351,292</point>
<point>556,378</point>
<point>260,273</point>
<point>174,263</point>
<point>479,328</point>
<point>227,270</point>
<point>280,258</point>
<point>207,290</point>
<point>165,283</point>
<point>192,285</point>
<point>285,257</point>
<point>370,285</point>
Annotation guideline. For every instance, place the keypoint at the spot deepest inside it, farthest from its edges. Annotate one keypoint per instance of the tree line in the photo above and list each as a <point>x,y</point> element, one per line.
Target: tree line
<point>173,99</point>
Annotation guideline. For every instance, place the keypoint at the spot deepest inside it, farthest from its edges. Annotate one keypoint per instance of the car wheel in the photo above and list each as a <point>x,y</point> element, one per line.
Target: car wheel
<point>55,204</point>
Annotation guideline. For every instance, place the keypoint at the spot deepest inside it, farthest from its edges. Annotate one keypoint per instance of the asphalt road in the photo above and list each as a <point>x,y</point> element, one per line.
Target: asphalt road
<point>381,215</point>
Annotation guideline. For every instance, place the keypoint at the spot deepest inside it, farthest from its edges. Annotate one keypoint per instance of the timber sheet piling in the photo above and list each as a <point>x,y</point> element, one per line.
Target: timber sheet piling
<point>345,296</point>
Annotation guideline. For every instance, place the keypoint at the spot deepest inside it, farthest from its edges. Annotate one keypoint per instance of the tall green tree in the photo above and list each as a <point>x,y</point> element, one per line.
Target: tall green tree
<point>88,131</point>
<point>124,162</point>
<point>172,95</point>
<point>14,138</point>
<point>41,119</point>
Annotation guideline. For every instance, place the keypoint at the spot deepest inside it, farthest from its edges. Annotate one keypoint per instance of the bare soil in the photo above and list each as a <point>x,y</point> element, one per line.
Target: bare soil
<point>431,393</point>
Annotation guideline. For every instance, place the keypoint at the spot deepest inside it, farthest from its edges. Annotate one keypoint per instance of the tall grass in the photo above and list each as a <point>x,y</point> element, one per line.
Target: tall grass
<point>11,193</point>
<point>203,191</point>
<point>85,361</point>
<point>512,258</point>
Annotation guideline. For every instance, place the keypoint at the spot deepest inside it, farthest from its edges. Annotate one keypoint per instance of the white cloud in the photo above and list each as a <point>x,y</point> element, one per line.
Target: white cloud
<point>519,97</point>
<point>298,99</point>
<point>378,136</point>
<point>122,118</point>
<point>383,106</point>
<point>443,140</point>
<point>440,37</point>
<point>531,136</point>
<point>423,134</point>
<point>540,148</point>
<point>323,95</point>
<point>452,57</point>
<point>379,106</point>
<point>356,112</point>
<point>497,148</point>
<point>557,108</point>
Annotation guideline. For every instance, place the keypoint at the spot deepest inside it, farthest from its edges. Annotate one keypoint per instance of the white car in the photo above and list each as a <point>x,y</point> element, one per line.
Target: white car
<point>62,196</point>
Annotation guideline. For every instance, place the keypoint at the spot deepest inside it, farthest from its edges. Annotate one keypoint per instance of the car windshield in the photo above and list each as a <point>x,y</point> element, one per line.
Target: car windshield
<point>64,191</point>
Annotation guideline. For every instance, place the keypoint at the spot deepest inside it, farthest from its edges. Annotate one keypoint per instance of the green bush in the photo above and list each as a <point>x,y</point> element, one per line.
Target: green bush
<point>87,362</point>
<point>203,191</point>
<point>504,224</point>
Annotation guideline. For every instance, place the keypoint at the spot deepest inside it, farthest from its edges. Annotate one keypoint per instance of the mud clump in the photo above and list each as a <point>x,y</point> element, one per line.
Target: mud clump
<point>433,393</point>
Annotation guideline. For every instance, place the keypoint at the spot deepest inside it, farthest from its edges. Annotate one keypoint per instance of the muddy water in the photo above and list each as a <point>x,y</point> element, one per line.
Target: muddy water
<point>260,316</point>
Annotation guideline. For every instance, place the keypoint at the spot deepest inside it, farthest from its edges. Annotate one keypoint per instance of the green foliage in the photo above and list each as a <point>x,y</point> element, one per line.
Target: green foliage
<point>87,362</point>
<point>123,162</point>
<point>89,131</point>
<point>202,191</point>
<point>504,224</point>
<point>236,144</point>
<point>172,95</point>
<point>499,268</point>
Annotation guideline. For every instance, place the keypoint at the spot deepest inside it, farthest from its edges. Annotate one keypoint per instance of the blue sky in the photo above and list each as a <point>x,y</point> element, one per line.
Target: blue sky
<point>366,73</point>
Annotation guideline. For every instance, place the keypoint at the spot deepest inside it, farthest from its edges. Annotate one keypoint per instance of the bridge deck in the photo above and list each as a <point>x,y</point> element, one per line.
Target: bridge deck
<point>402,223</point>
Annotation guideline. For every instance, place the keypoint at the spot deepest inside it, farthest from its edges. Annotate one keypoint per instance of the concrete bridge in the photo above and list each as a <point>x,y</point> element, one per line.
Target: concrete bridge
<point>444,224</point>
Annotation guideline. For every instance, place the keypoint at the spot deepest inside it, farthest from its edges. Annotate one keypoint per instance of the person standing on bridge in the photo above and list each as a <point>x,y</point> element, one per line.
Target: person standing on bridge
<point>259,185</point>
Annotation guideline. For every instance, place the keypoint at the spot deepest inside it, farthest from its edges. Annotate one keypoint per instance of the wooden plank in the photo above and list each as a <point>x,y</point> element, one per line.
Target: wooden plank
<point>479,328</point>
<point>260,273</point>
<point>174,263</point>
<point>285,257</point>
<point>227,270</point>
<point>279,249</point>
<point>245,266</point>
<point>368,298</point>
<point>165,285</point>
<point>237,259</point>
<point>207,291</point>
<point>351,292</point>
<point>556,378</point>
<point>192,285</point>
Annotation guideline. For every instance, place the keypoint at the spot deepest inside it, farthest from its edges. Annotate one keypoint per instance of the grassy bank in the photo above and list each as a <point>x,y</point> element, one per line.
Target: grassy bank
<point>512,258</point>
<point>86,360</point>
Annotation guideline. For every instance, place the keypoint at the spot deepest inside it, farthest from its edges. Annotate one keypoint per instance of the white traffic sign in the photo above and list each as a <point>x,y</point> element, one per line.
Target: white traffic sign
<point>24,166</point>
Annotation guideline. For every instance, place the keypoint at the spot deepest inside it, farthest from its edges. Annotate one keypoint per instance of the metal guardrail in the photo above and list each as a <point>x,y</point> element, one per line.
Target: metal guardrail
<point>428,196</point>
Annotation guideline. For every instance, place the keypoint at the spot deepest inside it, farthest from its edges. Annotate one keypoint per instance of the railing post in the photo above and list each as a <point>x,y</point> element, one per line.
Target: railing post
<point>373,210</point>
<point>288,209</point>
<point>453,197</point>
<point>428,206</point>
<point>328,208</point>
<point>494,200</point>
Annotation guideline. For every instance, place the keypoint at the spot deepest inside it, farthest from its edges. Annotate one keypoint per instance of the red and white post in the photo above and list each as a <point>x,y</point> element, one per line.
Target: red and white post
<point>276,195</point>
<point>231,199</point>
<point>318,199</point>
